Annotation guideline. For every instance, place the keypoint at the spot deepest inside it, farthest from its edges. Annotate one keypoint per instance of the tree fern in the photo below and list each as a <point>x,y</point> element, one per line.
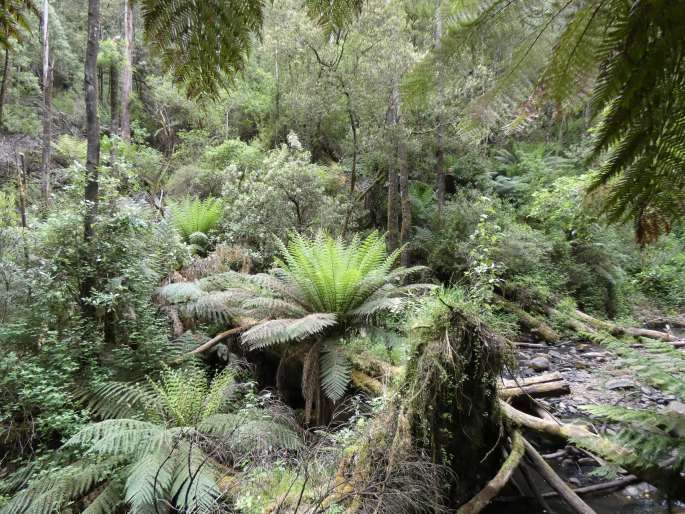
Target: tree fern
<point>162,460</point>
<point>335,372</point>
<point>194,215</point>
<point>321,287</point>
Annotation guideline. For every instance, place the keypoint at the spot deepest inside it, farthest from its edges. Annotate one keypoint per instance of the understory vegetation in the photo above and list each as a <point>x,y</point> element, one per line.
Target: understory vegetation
<point>285,256</point>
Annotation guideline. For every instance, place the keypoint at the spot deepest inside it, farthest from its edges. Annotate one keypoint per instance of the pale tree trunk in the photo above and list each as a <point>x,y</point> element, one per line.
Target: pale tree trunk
<point>6,77</point>
<point>393,119</point>
<point>92,134</point>
<point>439,134</point>
<point>47,108</point>
<point>127,72</point>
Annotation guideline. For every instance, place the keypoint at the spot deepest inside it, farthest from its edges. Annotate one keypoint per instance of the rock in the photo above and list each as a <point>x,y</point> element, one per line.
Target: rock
<point>675,407</point>
<point>554,355</point>
<point>620,383</point>
<point>574,481</point>
<point>539,363</point>
<point>631,491</point>
<point>594,355</point>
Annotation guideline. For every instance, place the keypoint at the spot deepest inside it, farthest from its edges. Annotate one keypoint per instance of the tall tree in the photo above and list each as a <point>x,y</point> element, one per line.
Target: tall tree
<point>92,134</point>
<point>47,106</point>
<point>393,120</point>
<point>6,78</point>
<point>439,132</point>
<point>127,73</point>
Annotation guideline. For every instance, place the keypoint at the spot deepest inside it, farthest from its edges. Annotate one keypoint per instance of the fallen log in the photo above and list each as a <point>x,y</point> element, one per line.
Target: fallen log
<point>556,388</point>
<point>618,330</point>
<point>529,321</point>
<point>545,384</point>
<point>551,376</point>
<point>494,486</point>
<point>555,481</point>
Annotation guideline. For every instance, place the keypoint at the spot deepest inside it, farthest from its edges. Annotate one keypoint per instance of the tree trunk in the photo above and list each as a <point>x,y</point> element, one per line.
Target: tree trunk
<point>439,134</point>
<point>6,77</point>
<point>127,72</point>
<point>92,134</point>
<point>114,98</point>
<point>393,179</point>
<point>405,198</point>
<point>47,108</point>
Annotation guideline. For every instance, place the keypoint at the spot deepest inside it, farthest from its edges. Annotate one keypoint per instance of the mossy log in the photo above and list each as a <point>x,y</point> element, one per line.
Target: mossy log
<point>618,330</point>
<point>445,415</point>
<point>529,321</point>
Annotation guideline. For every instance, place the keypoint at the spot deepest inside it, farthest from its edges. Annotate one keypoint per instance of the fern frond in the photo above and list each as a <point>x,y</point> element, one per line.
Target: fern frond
<point>286,330</point>
<point>335,371</point>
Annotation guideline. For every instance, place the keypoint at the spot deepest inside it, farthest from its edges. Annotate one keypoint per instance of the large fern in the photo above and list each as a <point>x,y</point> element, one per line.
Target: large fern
<point>161,455</point>
<point>14,20</point>
<point>653,435</point>
<point>321,287</point>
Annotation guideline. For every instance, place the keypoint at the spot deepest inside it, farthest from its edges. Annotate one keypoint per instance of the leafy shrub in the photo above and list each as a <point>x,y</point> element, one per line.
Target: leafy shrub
<point>662,276</point>
<point>286,193</point>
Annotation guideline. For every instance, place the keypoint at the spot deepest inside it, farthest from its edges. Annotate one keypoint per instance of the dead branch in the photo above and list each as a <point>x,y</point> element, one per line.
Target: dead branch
<point>555,481</point>
<point>604,487</point>
<point>492,488</point>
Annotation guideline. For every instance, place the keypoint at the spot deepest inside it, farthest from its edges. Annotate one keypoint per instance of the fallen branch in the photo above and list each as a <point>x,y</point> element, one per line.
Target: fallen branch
<point>494,486</point>
<point>220,337</point>
<point>604,487</point>
<point>551,376</point>
<point>546,384</point>
<point>555,481</point>
<point>531,322</point>
<point>556,388</point>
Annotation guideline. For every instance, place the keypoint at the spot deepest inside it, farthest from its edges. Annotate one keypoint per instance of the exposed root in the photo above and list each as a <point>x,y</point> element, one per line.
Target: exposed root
<point>494,486</point>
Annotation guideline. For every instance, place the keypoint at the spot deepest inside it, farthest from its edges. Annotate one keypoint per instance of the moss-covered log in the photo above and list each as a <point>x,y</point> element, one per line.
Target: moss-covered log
<point>444,419</point>
<point>529,321</point>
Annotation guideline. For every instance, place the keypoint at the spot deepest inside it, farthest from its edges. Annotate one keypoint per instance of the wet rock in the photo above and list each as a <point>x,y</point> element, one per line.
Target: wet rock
<point>675,407</point>
<point>574,481</point>
<point>620,383</point>
<point>539,363</point>
<point>631,491</point>
<point>554,355</point>
<point>594,355</point>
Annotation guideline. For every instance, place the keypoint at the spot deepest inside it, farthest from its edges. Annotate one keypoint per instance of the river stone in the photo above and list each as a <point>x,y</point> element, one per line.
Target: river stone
<point>620,383</point>
<point>539,363</point>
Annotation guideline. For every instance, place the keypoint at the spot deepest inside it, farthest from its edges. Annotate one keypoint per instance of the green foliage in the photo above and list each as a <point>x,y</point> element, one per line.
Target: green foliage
<point>202,45</point>
<point>14,20</point>
<point>630,57</point>
<point>165,456</point>
<point>287,193</point>
<point>194,215</point>
<point>321,287</point>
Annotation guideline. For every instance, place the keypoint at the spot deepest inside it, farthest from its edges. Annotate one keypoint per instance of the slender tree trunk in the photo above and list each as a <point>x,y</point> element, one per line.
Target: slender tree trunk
<point>393,179</point>
<point>92,134</point>
<point>127,72</point>
<point>6,77</point>
<point>353,170</point>
<point>405,198</point>
<point>439,134</point>
<point>114,98</point>
<point>47,108</point>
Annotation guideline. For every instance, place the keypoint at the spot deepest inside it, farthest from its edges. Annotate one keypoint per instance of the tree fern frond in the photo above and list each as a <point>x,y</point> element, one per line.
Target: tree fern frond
<point>335,372</point>
<point>285,330</point>
<point>108,499</point>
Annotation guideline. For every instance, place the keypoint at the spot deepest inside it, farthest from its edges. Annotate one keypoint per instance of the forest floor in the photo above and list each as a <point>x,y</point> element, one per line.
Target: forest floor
<point>593,377</point>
